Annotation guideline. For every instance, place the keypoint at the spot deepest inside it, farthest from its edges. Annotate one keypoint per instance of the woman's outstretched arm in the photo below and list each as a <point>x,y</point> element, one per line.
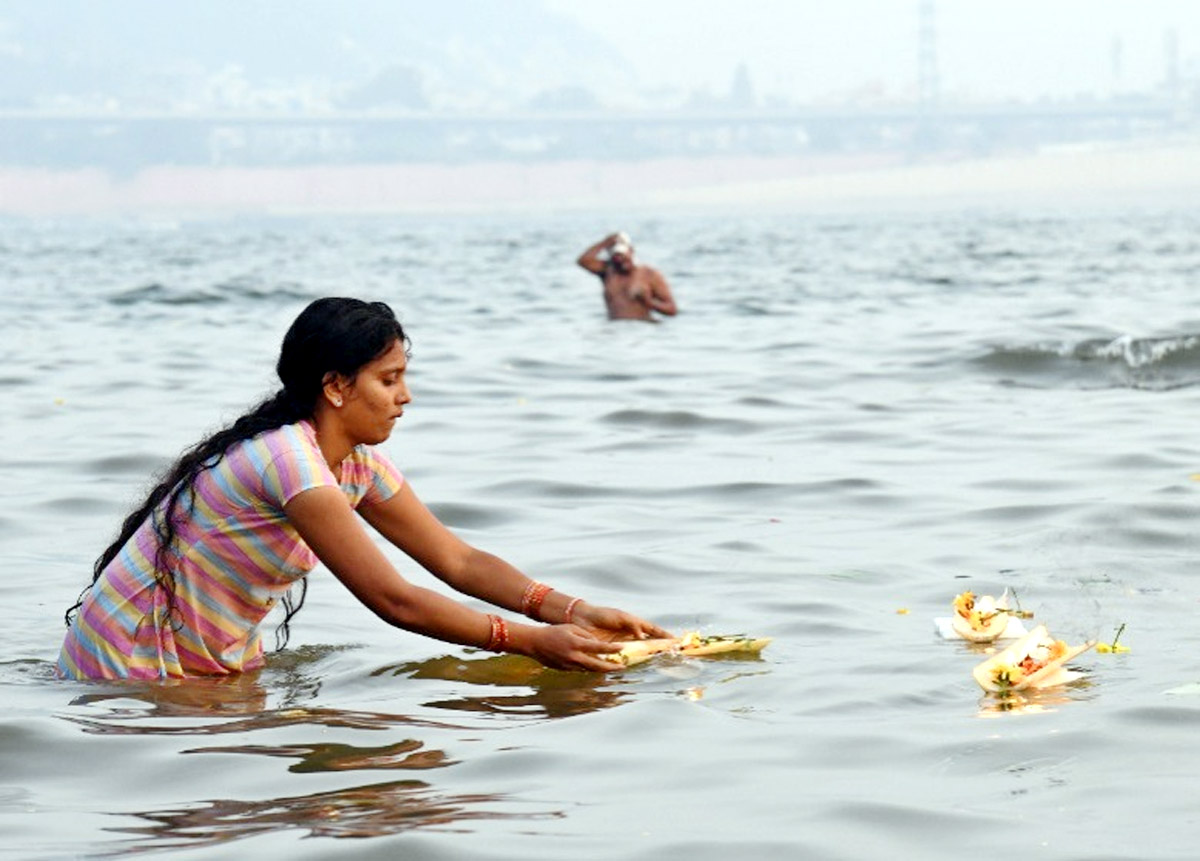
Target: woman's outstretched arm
<point>405,521</point>
<point>327,523</point>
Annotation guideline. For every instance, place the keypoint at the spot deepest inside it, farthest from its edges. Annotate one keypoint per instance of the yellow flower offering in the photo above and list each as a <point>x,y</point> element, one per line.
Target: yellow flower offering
<point>1035,661</point>
<point>980,620</point>
<point>1113,648</point>
<point>691,644</point>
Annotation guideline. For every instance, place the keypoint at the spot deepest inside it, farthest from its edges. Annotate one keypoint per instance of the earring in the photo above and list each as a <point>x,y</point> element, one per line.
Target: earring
<point>338,402</point>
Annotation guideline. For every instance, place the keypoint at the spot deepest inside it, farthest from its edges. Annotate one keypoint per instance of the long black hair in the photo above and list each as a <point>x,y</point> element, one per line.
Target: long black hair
<point>332,336</point>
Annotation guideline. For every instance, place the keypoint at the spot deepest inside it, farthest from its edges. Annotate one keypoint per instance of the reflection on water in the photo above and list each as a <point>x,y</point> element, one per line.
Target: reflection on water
<point>1034,701</point>
<point>129,707</point>
<point>241,704</point>
<point>344,757</point>
<point>290,678</point>
<point>241,701</point>
<point>374,810</point>
<point>202,697</point>
<point>553,694</point>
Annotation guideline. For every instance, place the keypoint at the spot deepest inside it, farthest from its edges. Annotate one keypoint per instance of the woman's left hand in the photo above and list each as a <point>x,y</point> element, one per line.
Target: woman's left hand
<point>612,625</point>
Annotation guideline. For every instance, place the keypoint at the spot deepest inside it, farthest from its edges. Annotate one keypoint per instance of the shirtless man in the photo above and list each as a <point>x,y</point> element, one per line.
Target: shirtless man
<point>631,290</point>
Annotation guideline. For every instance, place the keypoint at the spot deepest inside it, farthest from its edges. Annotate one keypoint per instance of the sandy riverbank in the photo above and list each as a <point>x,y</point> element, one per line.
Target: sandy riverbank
<point>1158,174</point>
<point>1146,174</point>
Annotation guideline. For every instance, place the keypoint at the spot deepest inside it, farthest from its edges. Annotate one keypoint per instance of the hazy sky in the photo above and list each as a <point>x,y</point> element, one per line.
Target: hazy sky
<point>497,55</point>
<point>815,49</point>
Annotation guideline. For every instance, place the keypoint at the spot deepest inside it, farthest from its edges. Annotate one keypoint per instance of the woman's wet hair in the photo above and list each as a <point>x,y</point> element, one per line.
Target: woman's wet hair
<point>332,337</point>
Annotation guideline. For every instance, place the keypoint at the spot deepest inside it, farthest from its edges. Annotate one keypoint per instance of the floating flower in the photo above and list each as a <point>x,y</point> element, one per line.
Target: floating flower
<point>691,644</point>
<point>1006,676</point>
<point>1035,661</point>
<point>1114,647</point>
<point>984,619</point>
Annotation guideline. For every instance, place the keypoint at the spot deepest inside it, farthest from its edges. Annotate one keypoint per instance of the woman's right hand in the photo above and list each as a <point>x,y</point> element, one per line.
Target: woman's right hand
<point>566,647</point>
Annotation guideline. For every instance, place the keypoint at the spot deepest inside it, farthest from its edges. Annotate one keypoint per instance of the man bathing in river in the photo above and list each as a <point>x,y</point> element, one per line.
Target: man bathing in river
<point>632,291</point>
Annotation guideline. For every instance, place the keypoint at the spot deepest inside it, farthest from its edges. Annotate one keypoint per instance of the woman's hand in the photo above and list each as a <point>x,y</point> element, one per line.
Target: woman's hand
<point>612,625</point>
<point>567,647</point>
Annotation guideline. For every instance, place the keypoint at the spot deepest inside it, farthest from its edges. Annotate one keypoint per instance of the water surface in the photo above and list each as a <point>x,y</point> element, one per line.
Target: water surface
<point>852,420</point>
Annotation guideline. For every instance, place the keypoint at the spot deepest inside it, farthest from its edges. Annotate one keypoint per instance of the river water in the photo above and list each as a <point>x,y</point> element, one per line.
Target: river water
<point>853,419</point>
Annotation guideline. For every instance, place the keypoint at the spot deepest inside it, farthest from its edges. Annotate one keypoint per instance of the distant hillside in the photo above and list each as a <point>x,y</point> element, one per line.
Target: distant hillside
<point>298,56</point>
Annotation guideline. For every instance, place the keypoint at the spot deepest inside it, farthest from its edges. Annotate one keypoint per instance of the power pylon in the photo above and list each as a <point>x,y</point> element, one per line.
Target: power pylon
<point>927,70</point>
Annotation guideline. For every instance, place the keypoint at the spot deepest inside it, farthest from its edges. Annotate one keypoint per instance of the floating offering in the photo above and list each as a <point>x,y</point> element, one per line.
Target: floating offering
<point>692,644</point>
<point>1034,661</point>
<point>983,619</point>
<point>1115,647</point>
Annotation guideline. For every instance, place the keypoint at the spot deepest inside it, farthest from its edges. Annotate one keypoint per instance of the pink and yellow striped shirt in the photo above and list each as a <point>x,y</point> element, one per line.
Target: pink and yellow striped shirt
<point>235,555</point>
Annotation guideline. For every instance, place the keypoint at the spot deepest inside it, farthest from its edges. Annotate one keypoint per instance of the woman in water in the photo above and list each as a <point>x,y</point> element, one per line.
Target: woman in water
<point>250,510</point>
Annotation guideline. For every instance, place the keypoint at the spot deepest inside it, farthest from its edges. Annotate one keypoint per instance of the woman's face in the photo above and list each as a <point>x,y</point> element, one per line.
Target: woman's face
<point>377,397</point>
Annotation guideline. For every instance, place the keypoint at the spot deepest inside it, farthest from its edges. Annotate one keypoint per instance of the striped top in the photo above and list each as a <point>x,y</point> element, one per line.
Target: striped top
<point>235,555</point>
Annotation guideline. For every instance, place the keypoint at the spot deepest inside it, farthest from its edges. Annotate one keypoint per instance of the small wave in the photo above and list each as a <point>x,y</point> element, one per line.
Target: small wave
<point>287,292</point>
<point>1124,362</point>
<point>77,505</point>
<point>231,291</point>
<point>125,464</point>
<point>676,420</point>
<point>23,671</point>
<point>159,294</point>
<point>462,516</point>
<point>1142,352</point>
<point>993,255</point>
<point>750,308</point>
<point>536,489</point>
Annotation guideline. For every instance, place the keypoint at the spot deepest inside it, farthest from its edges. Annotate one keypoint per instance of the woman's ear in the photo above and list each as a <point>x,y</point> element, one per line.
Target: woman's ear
<point>334,389</point>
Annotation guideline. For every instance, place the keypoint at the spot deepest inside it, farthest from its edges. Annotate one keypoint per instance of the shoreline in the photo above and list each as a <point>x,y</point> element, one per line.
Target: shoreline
<point>1146,173</point>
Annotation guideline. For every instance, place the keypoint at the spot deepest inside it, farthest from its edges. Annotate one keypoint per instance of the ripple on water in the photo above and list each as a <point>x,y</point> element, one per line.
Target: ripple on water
<point>129,465</point>
<point>79,505</point>
<point>1020,513</point>
<point>1183,717</point>
<point>539,489</point>
<point>677,420</point>
<point>459,515</point>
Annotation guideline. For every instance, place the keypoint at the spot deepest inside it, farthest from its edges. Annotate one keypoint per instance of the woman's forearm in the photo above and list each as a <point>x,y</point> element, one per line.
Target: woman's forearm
<point>489,578</point>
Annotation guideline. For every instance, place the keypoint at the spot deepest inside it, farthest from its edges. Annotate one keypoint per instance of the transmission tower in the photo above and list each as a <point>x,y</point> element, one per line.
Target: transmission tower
<point>927,70</point>
<point>1171,52</point>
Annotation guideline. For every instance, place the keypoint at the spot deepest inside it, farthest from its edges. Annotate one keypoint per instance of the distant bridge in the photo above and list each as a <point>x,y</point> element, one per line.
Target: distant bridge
<point>129,141</point>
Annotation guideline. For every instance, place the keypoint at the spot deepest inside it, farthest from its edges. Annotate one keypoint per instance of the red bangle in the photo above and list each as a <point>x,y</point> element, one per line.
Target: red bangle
<point>570,609</point>
<point>531,601</point>
<point>498,638</point>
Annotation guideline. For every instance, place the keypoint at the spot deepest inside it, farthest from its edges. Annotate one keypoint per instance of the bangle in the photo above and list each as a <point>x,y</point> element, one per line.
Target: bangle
<point>497,640</point>
<point>531,601</point>
<point>570,609</point>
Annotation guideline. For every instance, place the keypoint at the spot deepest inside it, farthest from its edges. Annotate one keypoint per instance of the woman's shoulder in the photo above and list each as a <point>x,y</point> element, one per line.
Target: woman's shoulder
<point>267,449</point>
<point>290,437</point>
<point>284,461</point>
<point>370,457</point>
<point>369,475</point>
